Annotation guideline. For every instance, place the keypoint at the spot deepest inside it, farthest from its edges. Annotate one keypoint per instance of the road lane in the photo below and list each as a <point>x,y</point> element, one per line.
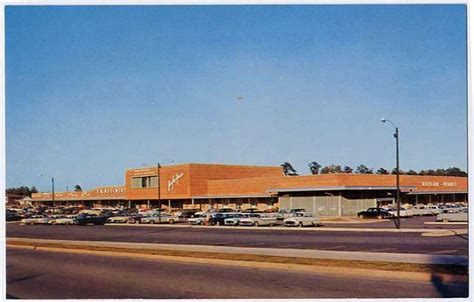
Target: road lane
<point>345,241</point>
<point>33,274</point>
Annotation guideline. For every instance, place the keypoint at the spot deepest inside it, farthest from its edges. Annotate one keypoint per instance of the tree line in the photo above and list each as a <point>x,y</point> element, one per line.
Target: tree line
<point>25,191</point>
<point>315,168</point>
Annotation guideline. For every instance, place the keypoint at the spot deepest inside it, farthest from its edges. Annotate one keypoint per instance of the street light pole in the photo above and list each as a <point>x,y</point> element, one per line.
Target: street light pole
<point>396,136</point>
<point>52,188</point>
<point>158,190</point>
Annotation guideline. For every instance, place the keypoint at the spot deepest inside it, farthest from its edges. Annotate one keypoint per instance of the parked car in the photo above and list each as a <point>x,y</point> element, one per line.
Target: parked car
<point>197,219</point>
<point>188,213</point>
<point>302,219</point>
<point>235,220</point>
<point>252,210</point>
<point>225,210</point>
<point>35,219</point>
<point>135,218</point>
<point>12,216</point>
<point>435,210</point>
<point>210,211</point>
<point>377,213</point>
<point>421,210</point>
<point>219,218</point>
<point>459,216</point>
<point>118,219</point>
<point>163,218</point>
<point>286,213</point>
<point>85,219</point>
<point>258,219</point>
<point>403,212</point>
<point>66,220</point>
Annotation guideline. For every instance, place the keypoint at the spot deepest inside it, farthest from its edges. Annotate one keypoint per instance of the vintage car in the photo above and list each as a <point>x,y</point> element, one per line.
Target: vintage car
<point>35,219</point>
<point>286,213</point>
<point>85,219</point>
<point>403,212</point>
<point>188,213</point>
<point>258,219</point>
<point>458,216</point>
<point>163,218</point>
<point>375,213</point>
<point>421,210</point>
<point>118,219</point>
<point>197,219</point>
<point>302,219</point>
<point>12,216</point>
<point>219,218</point>
<point>235,220</point>
<point>65,220</point>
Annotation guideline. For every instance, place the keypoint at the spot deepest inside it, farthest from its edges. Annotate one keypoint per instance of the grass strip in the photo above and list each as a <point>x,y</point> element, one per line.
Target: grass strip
<point>353,264</point>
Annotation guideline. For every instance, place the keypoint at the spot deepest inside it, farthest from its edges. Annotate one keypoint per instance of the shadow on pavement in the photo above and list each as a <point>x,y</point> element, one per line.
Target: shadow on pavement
<point>451,290</point>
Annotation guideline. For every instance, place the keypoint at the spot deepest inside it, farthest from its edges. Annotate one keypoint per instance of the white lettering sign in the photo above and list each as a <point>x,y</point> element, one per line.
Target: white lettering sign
<point>174,180</point>
<point>438,184</point>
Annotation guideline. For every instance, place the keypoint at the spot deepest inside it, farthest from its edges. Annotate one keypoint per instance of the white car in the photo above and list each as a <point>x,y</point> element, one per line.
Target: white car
<point>67,220</point>
<point>35,219</point>
<point>421,210</point>
<point>163,218</point>
<point>197,219</point>
<point>257,219</point>
<point>435,210</point>
<point>302,219</point>
<point>118,219</point>
<point>460,216</point>
<point>403,212</point>
<point>236,219</point>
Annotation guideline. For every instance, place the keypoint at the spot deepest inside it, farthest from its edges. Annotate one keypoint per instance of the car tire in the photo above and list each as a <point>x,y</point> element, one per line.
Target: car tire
<point>445,220</point>
<point>380,217</point>
<point>151,222</point>
<point>300,225</point>
<point>256,224</point>
<point>361,216</point>
<point>171,221</point>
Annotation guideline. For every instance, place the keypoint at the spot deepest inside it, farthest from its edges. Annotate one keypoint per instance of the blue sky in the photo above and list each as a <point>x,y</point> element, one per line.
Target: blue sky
<point>92,91</point>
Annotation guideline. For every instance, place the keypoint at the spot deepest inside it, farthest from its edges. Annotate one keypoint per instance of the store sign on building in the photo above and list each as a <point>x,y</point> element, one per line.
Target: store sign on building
<point>174,180</point>
<point>438,184</point>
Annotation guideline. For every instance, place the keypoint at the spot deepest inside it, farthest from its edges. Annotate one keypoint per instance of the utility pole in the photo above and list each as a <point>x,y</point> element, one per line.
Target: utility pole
<point>158,190</point>
<point>396,136</point>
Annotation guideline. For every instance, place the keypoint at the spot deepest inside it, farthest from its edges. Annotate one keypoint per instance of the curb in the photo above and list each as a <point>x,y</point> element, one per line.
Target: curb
<point>412,276</point>
<point>445,223</point>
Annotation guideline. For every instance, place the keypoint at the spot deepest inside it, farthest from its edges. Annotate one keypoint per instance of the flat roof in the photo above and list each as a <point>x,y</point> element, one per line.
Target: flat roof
<point>339,188</point>
<point>231,196</point>
<point>437,192</point>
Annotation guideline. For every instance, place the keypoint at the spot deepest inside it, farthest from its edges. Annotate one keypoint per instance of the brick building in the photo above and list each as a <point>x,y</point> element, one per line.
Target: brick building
<point>215,185</point>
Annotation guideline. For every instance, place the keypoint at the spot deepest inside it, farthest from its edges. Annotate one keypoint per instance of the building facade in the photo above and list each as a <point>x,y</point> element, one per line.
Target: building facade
<point>203,186</point>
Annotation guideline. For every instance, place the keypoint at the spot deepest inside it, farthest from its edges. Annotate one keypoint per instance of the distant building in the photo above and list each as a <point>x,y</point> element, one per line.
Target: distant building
<point>216,185</point>
<point>14,199</point>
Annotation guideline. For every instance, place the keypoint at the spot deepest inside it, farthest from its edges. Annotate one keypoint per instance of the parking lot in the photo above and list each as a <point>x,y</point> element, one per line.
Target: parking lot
<point>257,237</point>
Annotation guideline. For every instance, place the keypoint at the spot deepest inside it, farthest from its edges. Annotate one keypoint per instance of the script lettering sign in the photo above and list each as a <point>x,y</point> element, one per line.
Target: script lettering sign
<point>174,180</point>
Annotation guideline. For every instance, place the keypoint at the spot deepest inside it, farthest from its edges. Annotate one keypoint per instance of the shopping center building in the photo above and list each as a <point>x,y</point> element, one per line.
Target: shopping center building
<point>215,185</point>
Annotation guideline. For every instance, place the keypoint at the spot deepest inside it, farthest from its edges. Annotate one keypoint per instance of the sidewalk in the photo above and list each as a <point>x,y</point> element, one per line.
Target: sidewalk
<point>294,253</point>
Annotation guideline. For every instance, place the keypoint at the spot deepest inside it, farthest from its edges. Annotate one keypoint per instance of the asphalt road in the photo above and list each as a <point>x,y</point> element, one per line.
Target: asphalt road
<point>340,241</point>
<point>33,274</point>
<point>417,222</point>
